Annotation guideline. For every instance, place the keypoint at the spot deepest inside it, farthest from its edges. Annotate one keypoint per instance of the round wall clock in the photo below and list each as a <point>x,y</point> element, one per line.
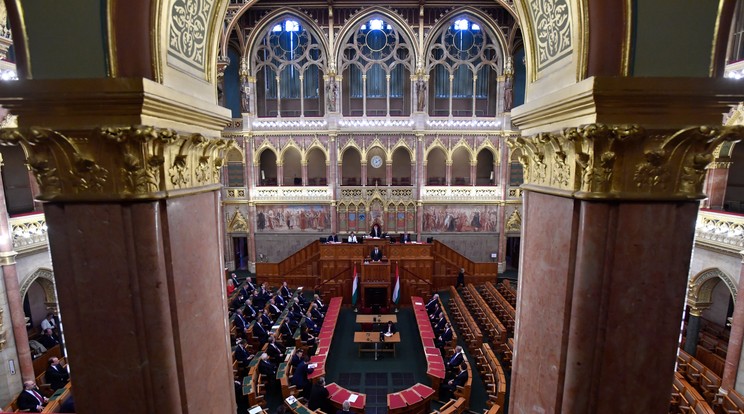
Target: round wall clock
<point>376,161</point>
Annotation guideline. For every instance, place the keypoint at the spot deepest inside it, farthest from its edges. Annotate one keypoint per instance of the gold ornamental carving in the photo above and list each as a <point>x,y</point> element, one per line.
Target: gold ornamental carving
<point>237,223</point>
<point>119,163</point>
<point>514,223</point>
<point>598,161</point>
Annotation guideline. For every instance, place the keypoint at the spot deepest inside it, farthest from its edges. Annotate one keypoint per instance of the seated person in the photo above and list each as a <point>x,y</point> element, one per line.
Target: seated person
<point>345,408</point>
<point>449,387</point>
<point>455,360</point>
<point>332,238</point>
<point>297,357</point>
<point>241,353</point>
<point>30,398</point>
<point>311,325</point>
<point>264,319</point>
<point>274,310</point>
<point>299,377</point>
<point>275,351</point>
<point>376,231</point>
<point>284,291</point>
<point>319,303</point>
<point>230,287</point>
<point>432,304</point>
<point>352,238</point>
<point>56,376</point>
<point>307,337</point>
<point>438,323</point>
<point>266,368</point>
<point>48,339</point>
<point>319,397</point>
<point>389,329</point>
<point>405,238</point>
<point>259,332</point>
<point>445,337</point>
<point>376,254</point>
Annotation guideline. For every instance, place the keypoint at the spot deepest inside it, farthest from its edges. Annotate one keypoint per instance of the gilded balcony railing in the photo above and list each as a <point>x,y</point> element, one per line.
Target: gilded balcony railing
<point>720,230</point>
<point>29,232</point>
<point>460,193</point>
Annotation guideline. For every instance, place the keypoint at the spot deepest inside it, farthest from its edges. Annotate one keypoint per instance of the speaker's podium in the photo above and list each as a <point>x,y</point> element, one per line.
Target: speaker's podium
<point>375,283</point>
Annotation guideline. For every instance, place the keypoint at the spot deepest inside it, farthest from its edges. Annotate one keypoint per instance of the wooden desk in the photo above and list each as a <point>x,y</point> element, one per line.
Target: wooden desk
<point>376,318</point>
<point>362,338</point>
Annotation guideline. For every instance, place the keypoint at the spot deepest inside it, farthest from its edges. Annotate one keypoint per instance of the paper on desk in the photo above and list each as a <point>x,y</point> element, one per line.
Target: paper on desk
<point>291,400</point>
<point>255,410</point>
<point>353,398</point>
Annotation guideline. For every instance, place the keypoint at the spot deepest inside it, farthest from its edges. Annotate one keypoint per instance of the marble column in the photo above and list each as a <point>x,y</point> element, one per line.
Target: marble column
<point>279,174</point>
<point>693,331</point>
<point>304,173</point>
<point>13,293</point>
<point>502,175</point>
<point>448,173</point>
<point>389,172</point>
<point>715,185</point>
<point>364,172</point>
<point>609,215</point>
<point>134,224</point>
<point>736,338</point>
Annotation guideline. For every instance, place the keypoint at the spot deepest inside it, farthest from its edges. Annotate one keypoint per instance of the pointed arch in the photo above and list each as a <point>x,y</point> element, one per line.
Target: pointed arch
<point>401,24</point>
<point>459,145</point>
<point>45,277</point>
<point>701,287</point>
<point>263,25</point>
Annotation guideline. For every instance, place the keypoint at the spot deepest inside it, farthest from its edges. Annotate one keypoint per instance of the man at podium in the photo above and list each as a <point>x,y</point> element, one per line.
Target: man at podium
<point>376,254</point>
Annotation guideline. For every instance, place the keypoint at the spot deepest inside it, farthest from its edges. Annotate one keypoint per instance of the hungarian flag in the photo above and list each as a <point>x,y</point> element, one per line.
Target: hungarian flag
<point>396,290</point>
<point>355,288</point>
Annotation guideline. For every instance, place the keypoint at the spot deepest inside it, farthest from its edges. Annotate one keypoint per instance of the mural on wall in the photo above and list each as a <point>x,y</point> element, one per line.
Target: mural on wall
<point>463,218</point>
<point>294,218</point>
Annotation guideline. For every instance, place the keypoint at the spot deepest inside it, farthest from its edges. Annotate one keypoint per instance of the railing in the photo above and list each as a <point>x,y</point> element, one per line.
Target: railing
<point>387,193</point>
<point>291,193</point>
<point>29,232</point>
<point>235,192</point>
<point>464,193</point>
<point>721,230</point>
<point>515,192</point>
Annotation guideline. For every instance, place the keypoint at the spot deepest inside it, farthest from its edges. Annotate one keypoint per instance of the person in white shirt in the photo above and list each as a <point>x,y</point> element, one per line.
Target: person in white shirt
<point>352,238</point>
<point>48,323</point>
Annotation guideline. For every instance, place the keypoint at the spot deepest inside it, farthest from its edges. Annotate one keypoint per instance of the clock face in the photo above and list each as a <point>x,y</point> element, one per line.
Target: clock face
<point>376,161</point>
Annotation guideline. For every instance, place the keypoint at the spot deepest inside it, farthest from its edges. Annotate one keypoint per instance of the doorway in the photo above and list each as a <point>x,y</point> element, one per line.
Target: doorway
<point>512,253</point>
<point>240,249</point>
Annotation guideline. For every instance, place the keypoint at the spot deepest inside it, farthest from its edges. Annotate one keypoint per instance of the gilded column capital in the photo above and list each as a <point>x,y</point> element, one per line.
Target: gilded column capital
<point>8,258</point>
<point>119,163</point>
<point>621,162</point>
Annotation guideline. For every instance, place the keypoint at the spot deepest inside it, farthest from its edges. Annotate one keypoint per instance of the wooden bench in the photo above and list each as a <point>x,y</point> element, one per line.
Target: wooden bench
<point>494,378</point>
<point>463,391</point>
<point>685,399</point>
<point>465,322</point>
<point>453,406</point>
<point>495,330</point>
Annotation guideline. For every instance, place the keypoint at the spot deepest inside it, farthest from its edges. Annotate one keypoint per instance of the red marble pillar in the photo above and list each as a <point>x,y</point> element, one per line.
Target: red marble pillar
<point>252,254</point>
<point>736,338</point>
<point>502,172</point>
<point>591,274</point>
<point>13,292</point>
<point>155,303</point>
<point>715,187</point>
<point>333,179</point>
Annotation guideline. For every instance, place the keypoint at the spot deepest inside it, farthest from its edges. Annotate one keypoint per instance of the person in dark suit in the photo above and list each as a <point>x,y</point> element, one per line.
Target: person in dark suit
<point>286,332</point>
<point>241,353</point>
<point>260,333</point>
<point>56,376</point>
<point>432,304</point>
<point>332,238</point>
<point>249,286</point>
<point>266,322</point>
<point>249,311</point>
<point>405,238</point>
<point>455,360</point>
<point>446,390</point>
<point>376,231</point>
<point>319,397</point>
<point>275,350</point>
<point>390,328</point>
<point>273,309</point>
<point>266,368</point>
<point>234,278</point>
<point>319,303</point>
<point>311,325</point>
<point>439,324</point>
<point>299,378</point>
<point>30,398</point>
<point>280,301</point>
<point>297,357</point>
<point>445,337</point>
<point>460,278</point>
<point>376,254</point>
<point>48,339</point>
<point>284,291</point>
<point>317,315</point>
<point>307,337</point>
<point>240,322</point>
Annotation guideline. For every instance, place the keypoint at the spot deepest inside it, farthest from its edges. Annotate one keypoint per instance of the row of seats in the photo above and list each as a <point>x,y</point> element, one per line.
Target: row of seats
<point>493,376</point>
<point>685,399</point>
<point>698,375</point>
<point>413,400</point>
<point>494,329</point>
<point>508,291</point>
<point>465,322</point>
<point>506,313</point>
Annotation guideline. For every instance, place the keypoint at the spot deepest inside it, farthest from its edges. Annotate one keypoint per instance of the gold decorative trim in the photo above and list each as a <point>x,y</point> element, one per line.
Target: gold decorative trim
<point>8,258</point>
<point>598,161</point>
<point>514,223</point>
<point>238,223</point>
<point>719,164</point>
<point>119,163</point>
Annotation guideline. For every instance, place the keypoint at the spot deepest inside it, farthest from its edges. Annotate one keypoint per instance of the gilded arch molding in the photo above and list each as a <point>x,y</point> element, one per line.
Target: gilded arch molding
<point>701,287</point>
<point>46,280</point>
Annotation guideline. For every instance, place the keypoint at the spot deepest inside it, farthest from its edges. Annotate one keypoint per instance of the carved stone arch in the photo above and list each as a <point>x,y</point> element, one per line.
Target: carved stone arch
<point>349,145</point>
<point>491,26</point>
<point>461,144</point>
<point>232,18</point>
<point>315,144</point>
<point>403,144</point>
<point>291,144</point>
<point>400,22</point>
<point>488,145</point>
<point>376,143</point>
<point>437,143</point>
<point>265,145</point>
<point>701,287</point>
<point>235,154</point>
<point>45,277</point>
<point>263,25</point>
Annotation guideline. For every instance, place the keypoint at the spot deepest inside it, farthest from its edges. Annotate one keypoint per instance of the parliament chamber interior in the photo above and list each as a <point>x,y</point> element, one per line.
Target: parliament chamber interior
<point>234,206</point>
